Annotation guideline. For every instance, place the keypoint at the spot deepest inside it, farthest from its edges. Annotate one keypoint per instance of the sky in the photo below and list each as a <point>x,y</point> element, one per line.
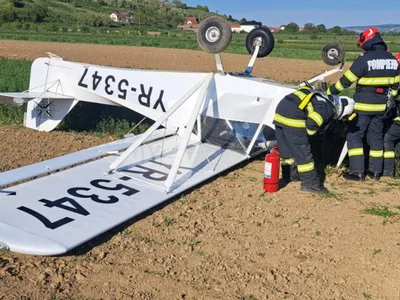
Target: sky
<point>331,13</point>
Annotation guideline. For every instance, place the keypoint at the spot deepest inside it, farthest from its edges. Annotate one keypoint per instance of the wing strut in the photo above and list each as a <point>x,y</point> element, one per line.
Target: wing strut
<point>188,131</point>
<point>203,87</point>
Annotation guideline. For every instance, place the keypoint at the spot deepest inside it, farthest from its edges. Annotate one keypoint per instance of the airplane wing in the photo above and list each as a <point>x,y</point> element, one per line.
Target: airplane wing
<point>56,213</point>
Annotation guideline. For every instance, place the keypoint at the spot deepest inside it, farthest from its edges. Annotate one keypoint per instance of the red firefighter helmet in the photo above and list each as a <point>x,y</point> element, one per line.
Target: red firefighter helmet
<point>366,35</point>
<point>398,57</point>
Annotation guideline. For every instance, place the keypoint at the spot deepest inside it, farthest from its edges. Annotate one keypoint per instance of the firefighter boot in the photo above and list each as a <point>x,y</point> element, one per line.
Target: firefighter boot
<point>374,176</point>
<point>354,176</point>
<point>317,189</point>
<point>387,174</point>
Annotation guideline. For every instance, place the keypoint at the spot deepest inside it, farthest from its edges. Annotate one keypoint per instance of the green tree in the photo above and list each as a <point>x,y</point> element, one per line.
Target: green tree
<point>336,30</point>
<point>310,28</point>
<point>179,4</point>
<point>39,13</point>
<point>292,27</point>
<point>7,13</point>
<point>321,28</point>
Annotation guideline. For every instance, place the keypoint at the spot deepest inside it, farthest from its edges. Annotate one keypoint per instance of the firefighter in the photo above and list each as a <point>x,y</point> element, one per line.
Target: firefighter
<point>374,73</point>
<point>299,115</point>
<point>392,136</point>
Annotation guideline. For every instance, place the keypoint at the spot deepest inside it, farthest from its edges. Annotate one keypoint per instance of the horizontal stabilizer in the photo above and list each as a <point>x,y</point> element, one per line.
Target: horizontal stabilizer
<point>19,99</point>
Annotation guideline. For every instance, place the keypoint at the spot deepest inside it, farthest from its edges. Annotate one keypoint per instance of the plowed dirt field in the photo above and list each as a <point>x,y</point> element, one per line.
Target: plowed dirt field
<point>164,59</point>
<point>226,239</point>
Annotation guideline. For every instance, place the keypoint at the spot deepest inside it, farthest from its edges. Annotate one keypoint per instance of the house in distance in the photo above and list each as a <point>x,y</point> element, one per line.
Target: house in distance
<point>123,16</point>
<point>193,23</point>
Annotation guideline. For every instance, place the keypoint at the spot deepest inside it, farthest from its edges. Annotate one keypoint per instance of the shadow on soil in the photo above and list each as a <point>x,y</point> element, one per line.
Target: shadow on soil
<point>326,150</point>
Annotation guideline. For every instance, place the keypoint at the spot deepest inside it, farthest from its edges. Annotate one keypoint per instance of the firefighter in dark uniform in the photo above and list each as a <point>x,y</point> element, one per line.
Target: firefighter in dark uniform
<point>392,135</point>
<point>375,74</point>
<point>299,115</point>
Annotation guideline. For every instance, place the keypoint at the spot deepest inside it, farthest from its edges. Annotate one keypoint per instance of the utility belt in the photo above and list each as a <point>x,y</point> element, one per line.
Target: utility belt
<point>381,90</point>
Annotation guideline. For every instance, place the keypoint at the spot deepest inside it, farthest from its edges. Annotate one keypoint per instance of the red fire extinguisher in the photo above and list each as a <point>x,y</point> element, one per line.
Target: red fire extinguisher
<point>271,171</point>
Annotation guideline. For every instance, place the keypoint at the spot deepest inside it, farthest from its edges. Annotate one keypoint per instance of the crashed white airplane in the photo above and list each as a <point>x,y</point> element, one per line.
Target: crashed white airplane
<point>204,124</point>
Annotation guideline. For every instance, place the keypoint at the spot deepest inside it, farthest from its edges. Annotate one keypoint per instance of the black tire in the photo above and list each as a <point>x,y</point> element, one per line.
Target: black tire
<point>267,44</point>
<point>331,52</point>
<point>214,34</point>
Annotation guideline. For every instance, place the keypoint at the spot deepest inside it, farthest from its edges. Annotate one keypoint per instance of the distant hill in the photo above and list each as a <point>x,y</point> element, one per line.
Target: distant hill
<point>382,28</point>
<point>158,14</point>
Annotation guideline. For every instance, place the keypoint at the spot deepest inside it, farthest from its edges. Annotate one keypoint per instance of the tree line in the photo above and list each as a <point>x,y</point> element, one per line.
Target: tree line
<point>314,29</point>
<point>161,14</point>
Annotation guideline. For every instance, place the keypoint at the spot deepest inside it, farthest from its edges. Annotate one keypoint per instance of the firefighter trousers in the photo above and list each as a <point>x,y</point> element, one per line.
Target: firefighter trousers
<point>390,141</point>
<point>372,127</point>
<point>295,149</point>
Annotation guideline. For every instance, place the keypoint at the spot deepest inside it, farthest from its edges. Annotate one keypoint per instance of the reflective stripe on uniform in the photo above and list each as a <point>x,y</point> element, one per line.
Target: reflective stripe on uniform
<point>389,154</point>
<point>350,76</point>
<point>397,119</point>
<point>328,91</point>
<point>397,79</point>
<point>300,94</point>
<point>378,81</point>
<point>311,132</point>
<point>394,93</point>
<point>339,86</point>
<point>287,161</point>
<point>313,115</point>
<point>305,101</point>
<point>310,108</point>
<point>306,167</point>
<point>369,107</point>
<point>376,153</point>
<point>296,123</point>
<point>316,117</point>
<point>356,152</point>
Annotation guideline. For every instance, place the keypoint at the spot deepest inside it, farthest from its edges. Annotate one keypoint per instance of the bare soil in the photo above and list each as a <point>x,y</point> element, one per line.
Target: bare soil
<point>225,240</point>
<point>282,69</point>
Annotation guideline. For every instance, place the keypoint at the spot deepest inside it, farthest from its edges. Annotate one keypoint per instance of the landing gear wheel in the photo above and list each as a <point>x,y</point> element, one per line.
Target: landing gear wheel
<point>266,38</point>
<point>214,35</point>
<point>333,54</point>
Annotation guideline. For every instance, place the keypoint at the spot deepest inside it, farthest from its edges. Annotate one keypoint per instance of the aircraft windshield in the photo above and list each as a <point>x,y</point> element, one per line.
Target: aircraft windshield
<point>231,134</point>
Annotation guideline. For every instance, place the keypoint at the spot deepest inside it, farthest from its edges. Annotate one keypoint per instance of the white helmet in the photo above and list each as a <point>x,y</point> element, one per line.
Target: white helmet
<point>343,106</point>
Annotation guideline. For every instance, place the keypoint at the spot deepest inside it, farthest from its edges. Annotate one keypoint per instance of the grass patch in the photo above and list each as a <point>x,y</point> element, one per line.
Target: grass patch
<point>330,195</point>
<point>144,239</point>
<point>192,245</point>
<point>247,297</point>
<point>253,179</point>
<point>14,77</point>
<point>169,221</point>
<point>367,296</point>
<point>377,251</point>
<point>380,211</point>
